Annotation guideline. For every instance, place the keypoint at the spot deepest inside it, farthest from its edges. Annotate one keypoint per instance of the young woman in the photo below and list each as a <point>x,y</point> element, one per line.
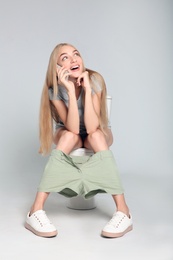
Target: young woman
<point>74,98</point>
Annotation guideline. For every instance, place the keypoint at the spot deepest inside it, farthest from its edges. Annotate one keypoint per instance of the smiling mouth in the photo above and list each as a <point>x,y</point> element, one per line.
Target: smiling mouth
<point>74,68</point>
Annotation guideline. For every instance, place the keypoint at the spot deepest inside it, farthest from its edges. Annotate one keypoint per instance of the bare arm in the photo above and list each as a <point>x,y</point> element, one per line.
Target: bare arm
<point>69,116</point>
<point>92,105</point>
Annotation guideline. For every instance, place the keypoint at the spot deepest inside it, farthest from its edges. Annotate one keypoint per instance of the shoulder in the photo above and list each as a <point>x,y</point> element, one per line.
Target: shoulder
<point>58,94</point>
<point>50,91</point>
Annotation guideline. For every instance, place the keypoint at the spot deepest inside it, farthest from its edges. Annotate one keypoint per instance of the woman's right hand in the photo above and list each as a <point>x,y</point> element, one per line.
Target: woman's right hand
<point>63,79</point>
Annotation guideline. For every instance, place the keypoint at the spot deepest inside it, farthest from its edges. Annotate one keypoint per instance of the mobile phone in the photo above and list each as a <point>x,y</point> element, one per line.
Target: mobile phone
<point>58,66</point>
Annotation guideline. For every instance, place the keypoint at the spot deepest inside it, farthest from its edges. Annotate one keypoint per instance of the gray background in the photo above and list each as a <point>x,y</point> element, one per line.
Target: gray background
<point>130,44</point>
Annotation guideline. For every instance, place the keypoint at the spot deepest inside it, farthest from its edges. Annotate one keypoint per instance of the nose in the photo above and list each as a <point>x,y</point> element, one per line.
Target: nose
<point>73,59</point>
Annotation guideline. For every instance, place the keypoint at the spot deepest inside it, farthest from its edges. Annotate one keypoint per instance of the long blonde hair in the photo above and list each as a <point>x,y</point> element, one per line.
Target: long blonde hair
<point>48,113</point>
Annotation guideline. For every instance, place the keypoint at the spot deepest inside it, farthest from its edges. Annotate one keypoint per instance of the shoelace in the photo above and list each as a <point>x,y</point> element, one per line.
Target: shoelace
<point>42,218</point>
<point>116,220</point>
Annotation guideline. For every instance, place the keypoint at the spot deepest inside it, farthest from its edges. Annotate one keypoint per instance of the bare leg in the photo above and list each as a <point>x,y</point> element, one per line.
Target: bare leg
<point>39,201</point>
<point>121,204</point>
<point>38,222</point>
<point>97,141</point>
<point>67,141</point>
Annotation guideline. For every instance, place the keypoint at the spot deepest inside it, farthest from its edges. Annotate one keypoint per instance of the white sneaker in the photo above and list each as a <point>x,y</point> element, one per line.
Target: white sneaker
<point>40,225</point>
<point>119,225</point>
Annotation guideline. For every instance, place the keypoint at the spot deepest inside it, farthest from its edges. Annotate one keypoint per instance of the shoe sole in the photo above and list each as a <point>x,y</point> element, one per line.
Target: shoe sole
<point>41,234</point>
<point>114,235</point>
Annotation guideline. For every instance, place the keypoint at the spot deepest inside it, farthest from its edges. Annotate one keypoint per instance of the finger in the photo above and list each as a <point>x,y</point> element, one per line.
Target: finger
<point>61,71</point>
<point>80,79</point>
<point>65,75</point>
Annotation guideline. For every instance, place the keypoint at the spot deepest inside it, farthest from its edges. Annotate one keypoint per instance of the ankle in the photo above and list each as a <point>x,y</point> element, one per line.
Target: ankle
<point>125,210</point>
<point>33,210</point>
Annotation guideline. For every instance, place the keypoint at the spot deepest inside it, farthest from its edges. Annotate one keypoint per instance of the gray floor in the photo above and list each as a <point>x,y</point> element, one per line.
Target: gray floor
<point>150,201</point>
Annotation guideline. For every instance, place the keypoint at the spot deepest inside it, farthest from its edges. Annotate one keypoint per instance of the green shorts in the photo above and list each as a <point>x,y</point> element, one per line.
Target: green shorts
<point>81,175</point>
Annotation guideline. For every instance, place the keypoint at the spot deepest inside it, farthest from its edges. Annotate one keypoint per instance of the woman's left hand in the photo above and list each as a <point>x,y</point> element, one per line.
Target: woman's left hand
<point>84,81</point>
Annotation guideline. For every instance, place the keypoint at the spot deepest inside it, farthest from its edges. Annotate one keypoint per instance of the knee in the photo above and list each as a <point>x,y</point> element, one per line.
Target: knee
<point>70,137</point>
<point>96,136</point>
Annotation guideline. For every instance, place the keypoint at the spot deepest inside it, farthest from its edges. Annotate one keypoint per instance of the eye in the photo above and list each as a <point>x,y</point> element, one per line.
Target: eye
<point>64,58</point>
<point>76,54</point>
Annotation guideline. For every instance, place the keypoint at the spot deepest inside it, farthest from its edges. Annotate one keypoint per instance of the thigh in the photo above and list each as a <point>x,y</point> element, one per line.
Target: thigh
<point>58,133</point>
<point>69,139</point>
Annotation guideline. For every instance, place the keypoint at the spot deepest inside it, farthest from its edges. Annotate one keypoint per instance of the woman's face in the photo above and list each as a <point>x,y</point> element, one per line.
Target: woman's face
<point>69,58</point>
